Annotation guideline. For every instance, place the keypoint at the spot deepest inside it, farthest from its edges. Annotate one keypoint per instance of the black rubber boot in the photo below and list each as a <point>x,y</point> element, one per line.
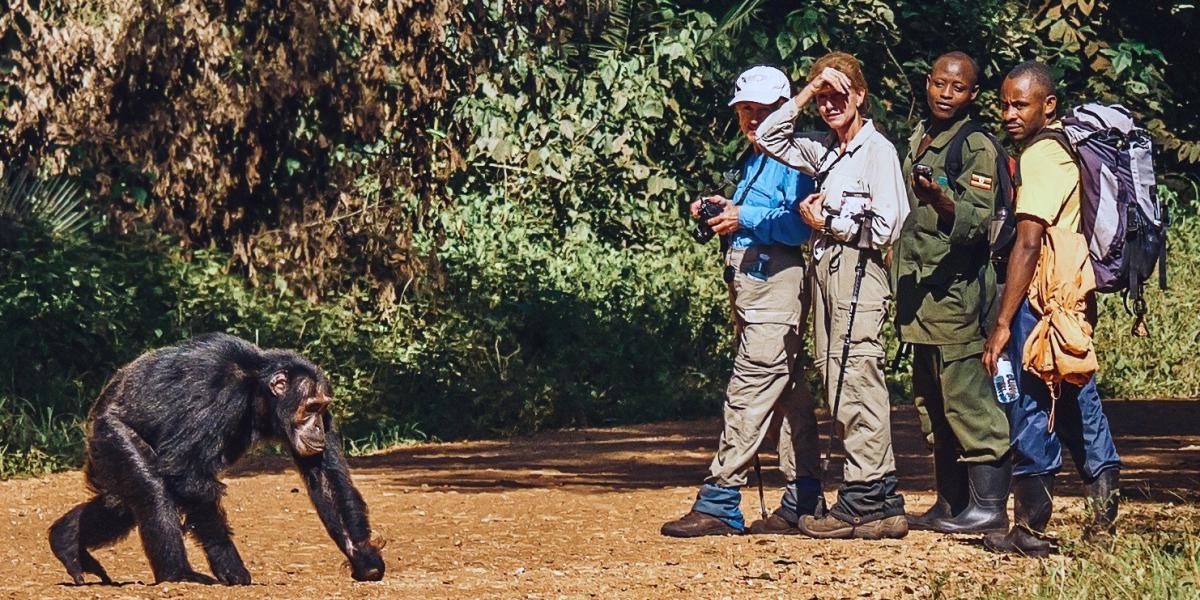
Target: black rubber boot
<point>988,509</point>
<point>1103,499</point>
<point>952,496</point>
<point>1033,502</point>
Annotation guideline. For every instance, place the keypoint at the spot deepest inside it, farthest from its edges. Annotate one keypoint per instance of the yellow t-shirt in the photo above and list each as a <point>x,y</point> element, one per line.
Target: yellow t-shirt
<point>1049,189</point>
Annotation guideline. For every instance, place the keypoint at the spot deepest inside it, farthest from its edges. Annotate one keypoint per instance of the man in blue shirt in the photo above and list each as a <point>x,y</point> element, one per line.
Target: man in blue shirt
<point>766,275</point>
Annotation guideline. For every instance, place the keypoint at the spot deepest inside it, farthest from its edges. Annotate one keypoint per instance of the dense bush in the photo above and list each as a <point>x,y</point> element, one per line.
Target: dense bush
<point>477,229</point>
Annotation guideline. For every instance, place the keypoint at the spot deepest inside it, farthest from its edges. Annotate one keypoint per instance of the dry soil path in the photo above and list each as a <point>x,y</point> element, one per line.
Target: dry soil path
<point>576,514</point>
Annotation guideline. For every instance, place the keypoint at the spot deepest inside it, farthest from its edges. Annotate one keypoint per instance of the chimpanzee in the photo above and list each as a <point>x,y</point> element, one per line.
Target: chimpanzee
<point>170,421</point>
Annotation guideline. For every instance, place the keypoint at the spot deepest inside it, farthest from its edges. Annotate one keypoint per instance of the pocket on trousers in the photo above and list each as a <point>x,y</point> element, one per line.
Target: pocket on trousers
<point>777,300</point>
<point>865,336</point>
<point>763,348</point>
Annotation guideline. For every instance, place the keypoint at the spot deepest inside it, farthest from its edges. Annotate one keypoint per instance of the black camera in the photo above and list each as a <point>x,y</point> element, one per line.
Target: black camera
<point>703,231</point>
<point>923,172</point>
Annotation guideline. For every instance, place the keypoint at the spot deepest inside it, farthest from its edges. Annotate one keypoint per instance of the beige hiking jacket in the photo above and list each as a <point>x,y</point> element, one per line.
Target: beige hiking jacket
<point>1060,346</point>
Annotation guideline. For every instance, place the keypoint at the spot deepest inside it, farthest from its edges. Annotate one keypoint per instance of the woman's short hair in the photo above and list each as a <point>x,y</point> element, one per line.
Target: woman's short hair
<point>848,65</point>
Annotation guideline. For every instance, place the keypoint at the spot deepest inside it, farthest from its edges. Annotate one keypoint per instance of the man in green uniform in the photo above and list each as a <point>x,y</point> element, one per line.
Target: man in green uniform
<point>945,288</point>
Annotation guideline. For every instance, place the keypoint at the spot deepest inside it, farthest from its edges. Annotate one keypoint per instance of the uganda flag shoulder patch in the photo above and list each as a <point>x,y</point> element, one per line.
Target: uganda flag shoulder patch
<point>981,182</point>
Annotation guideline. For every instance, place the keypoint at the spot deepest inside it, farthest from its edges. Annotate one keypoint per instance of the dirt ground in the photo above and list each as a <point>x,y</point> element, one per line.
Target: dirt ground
<point>576,514</point>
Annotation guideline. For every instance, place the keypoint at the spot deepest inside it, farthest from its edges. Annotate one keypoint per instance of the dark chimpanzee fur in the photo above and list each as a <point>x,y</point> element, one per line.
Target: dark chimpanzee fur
<point>169,422</point>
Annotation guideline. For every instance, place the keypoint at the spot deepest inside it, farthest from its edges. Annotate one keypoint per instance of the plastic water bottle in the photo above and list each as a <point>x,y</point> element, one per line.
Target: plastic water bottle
<point>760,269</point>
<point>1005,381</point>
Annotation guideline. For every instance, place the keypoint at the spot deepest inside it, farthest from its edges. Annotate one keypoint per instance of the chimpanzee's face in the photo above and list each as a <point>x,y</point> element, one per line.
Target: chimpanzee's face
<point>301,402</point>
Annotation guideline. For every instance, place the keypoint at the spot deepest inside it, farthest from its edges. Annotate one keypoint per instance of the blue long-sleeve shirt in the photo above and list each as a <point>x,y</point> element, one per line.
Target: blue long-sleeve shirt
<point>768,214</point>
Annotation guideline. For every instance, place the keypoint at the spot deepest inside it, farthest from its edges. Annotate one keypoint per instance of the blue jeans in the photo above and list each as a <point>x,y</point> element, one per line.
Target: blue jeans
<point>1079,420</point>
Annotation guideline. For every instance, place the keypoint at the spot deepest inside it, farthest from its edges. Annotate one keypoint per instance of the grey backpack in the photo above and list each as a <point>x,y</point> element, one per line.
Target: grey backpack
<point>1121,217</point>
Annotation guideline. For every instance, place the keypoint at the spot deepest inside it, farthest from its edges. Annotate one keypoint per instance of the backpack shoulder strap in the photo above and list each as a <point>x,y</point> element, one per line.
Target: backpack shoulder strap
<point>1058,135</point>
<point>954,152</point>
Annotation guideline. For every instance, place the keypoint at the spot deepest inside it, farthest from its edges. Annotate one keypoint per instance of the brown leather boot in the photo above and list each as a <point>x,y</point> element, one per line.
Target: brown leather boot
<point>827,527</point>
<point>892,528</point>
<point>776,524</point>
<point>696,524</point>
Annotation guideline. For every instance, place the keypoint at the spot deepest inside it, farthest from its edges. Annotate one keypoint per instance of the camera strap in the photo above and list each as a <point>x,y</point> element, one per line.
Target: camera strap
<point>725,244</point>
<point>749,184</point>
<point>823,174</point>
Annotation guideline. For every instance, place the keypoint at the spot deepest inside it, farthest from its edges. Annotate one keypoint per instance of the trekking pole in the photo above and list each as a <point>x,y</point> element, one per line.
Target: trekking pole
<point>860,269</point>
<point>762,498</point>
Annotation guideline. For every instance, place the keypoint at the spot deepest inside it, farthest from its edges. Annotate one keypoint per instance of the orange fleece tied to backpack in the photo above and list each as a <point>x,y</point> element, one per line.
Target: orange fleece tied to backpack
<point>1060,346</point>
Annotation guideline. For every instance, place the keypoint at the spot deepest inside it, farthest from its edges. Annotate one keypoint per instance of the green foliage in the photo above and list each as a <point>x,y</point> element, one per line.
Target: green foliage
<point>567,230</point>
<point>1155,555</point>
<point>34,439</point>
<point>483,232</point>
<point>1161,365</point>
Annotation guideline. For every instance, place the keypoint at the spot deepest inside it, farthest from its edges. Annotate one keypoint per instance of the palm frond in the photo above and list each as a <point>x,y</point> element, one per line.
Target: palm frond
<point>55,203</point>
<point>737,18</point>
<point>622,26</point>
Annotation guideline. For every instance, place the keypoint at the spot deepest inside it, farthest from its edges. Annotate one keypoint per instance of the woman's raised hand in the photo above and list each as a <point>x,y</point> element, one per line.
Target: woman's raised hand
<point>832,78</point>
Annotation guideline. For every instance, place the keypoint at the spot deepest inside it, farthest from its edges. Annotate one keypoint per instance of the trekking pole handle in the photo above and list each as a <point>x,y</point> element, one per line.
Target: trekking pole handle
<point>865,219</point>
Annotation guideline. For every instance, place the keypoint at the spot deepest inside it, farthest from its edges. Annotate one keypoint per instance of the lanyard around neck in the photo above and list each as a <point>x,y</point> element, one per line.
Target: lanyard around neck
<point>749,184</point>
<point>824,173</point>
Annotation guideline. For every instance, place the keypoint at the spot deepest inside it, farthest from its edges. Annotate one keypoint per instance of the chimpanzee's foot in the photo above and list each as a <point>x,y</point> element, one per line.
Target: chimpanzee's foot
<point>197,577</point>
<point>187,577</point>
<point>92,524</point>
<point>91,565</point>
<point>64,542</point>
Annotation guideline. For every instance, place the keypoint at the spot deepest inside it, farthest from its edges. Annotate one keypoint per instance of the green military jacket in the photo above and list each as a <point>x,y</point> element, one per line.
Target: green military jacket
<point>942,279</point>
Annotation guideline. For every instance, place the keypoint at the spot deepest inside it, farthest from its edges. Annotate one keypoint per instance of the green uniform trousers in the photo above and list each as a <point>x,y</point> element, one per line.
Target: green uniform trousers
<point>956,394</point>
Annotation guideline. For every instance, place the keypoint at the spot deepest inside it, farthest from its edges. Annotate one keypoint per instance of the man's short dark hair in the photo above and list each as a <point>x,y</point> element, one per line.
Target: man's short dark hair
<point>1039,73</point>
<point>976,74</point>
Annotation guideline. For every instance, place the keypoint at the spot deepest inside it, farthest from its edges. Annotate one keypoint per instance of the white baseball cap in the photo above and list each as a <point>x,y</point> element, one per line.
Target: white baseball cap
<point>761,84</point>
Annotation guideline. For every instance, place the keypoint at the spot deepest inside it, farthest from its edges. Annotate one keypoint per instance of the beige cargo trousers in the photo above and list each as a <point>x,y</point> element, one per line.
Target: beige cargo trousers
<point>767,394</point>
<point>865,411</point>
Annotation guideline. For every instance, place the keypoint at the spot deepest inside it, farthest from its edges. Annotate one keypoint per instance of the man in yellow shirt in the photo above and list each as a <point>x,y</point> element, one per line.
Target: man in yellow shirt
<point>1052,198</point>
<point>1048,196</point>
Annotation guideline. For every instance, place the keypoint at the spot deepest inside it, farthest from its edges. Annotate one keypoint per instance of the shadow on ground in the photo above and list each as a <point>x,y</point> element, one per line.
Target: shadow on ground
<point>1159,442</point>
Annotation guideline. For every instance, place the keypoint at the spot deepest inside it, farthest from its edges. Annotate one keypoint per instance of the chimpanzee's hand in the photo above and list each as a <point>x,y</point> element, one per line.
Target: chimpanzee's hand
<point>366,564</point>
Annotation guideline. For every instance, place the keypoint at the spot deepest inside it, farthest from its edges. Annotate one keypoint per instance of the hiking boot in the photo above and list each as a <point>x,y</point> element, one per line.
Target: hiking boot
<point>951,477</point>
<point>696,524</point>
<point>892,528</point>
<point>1103,499</point>
<point>776,524</point>
<point>802,497</point>
<point>988,508</point>
<point>832,528</point>
<point>1033,502</point>
<point>827,527</point>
